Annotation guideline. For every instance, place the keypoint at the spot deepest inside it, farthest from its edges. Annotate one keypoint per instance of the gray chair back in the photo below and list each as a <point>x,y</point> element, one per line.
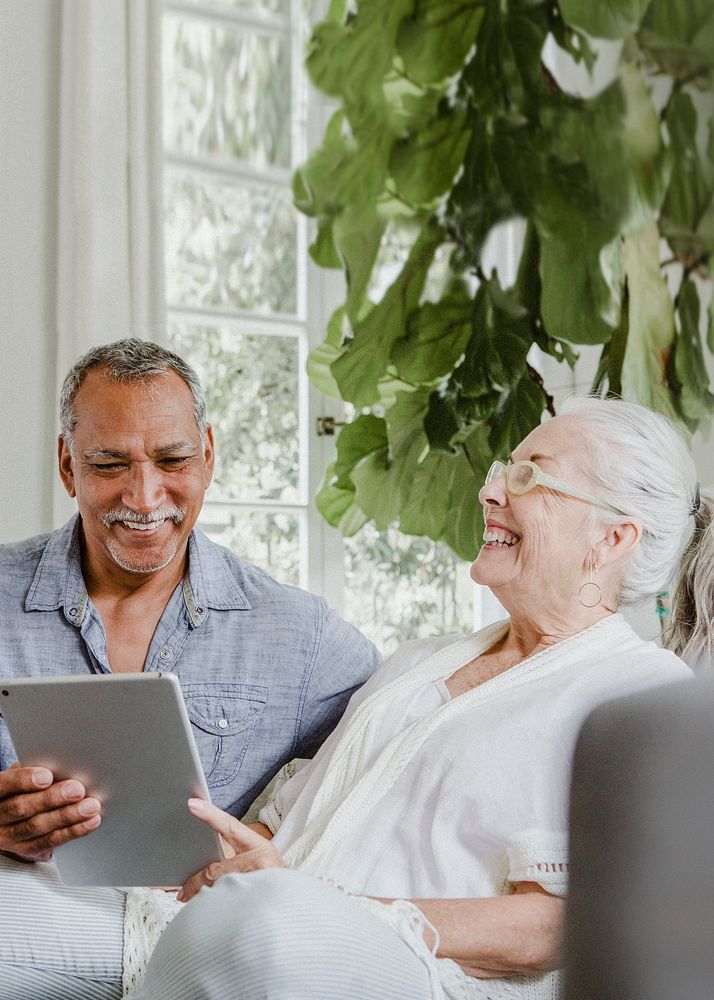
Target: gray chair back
<point>640,912</point>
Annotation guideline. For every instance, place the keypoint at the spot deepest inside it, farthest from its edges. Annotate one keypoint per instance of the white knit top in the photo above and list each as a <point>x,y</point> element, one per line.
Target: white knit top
<point>419,795</point>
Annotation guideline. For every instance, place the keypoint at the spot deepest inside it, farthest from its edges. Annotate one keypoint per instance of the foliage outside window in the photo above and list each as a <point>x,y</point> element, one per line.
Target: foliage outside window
<point>450,121</point>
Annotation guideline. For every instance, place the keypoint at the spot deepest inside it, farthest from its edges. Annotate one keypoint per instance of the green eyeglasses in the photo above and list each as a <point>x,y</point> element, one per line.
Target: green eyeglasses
<point>523,476</point>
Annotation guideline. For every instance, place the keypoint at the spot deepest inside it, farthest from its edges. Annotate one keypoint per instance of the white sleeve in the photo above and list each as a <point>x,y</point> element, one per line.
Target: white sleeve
<point>540,856</point>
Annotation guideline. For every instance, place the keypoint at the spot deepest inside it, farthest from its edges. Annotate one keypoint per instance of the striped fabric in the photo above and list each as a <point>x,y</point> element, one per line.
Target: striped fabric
<point>283,935</point>
<point>57,942</point>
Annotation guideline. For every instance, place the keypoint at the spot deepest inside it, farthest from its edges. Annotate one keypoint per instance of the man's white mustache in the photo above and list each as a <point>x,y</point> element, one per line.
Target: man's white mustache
<point>175,514</point>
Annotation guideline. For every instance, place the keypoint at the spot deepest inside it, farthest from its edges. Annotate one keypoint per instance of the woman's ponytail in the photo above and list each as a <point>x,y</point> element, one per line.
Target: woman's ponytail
<point>689,630</point>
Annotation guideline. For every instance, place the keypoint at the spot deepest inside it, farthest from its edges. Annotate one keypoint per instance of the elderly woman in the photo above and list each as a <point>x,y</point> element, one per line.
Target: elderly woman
<point>426,843</point>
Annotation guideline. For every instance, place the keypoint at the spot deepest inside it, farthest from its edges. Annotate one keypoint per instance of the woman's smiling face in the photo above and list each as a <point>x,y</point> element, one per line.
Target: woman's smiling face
<point>536,545</point>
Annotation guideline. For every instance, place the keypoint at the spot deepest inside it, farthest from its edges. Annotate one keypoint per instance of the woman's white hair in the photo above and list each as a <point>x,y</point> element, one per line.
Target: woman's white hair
<point>637,460</point>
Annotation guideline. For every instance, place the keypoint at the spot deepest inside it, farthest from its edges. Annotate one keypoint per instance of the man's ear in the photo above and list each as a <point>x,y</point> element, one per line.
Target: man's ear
<point>209,455</point>
<point>617,542</point>
<point>66,470</point>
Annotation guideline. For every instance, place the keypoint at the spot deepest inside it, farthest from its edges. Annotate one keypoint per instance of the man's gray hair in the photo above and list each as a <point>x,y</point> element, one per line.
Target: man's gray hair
<point>129,360</point>
<point>640,463</point>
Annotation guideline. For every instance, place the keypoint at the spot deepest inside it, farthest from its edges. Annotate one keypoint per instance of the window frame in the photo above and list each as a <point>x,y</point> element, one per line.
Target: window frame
<point>320,548</point>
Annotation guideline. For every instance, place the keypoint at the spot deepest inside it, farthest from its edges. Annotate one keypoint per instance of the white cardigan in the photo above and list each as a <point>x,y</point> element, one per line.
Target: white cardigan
<point>477,786</point>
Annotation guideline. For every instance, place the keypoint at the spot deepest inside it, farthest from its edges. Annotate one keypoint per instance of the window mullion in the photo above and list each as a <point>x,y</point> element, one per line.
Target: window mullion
<point>200,10</point>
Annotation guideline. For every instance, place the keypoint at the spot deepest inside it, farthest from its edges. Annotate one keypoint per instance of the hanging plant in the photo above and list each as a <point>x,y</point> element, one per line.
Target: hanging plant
<point>449,122</point>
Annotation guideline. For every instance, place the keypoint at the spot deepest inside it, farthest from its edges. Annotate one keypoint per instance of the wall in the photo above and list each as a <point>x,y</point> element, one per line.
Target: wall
<point>29,75</point>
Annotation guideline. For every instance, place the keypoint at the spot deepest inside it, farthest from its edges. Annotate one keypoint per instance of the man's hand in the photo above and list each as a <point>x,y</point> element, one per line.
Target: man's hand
<point>247,850</point>
<point>38,814</point>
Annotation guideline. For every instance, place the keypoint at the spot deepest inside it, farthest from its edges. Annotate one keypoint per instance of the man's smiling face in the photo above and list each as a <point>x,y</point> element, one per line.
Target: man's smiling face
<point>137,470</point>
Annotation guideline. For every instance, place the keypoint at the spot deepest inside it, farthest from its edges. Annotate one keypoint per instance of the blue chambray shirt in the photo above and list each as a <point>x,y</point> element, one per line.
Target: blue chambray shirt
<point>266,669</point>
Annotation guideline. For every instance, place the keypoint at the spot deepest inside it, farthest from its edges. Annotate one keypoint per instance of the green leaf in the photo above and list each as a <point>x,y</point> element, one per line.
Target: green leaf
<point>518,412</point>
<point>337,505</point>
<point>321,358</point>
<point>507,74</point>
<point>696,400</point>
<point>436,336</point>
<point>605,18</point>
<point>323,250</point>
<point>648,161</point>
<point>427,503</point>
<point>350,59</point>
<point>382,479</point>
<point>680,37</point>
<point>337,499</point>
<point>442,422</point>
<point>343,172</point>
<point>357,237</point>
<point>685,221</point>
<point>650,324</point>
<point>479,199</point>
<point>495,356</point>
<point>358,370</point>
<point>363,436</point>
<point>434,41</point>
<point>577,303</point>
<point>464,519</point>
<point>608,167</point>
<point>423,165</point>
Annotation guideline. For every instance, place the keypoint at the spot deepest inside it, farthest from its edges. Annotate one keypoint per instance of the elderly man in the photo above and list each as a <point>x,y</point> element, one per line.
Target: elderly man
<point>129,585</point>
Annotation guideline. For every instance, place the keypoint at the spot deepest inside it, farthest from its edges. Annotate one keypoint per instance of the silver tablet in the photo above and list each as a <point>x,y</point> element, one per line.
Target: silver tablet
<point>128,739</point>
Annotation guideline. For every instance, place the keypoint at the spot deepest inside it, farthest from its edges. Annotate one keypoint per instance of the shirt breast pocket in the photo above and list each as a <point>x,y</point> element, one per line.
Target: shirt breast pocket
<point>223,717</point>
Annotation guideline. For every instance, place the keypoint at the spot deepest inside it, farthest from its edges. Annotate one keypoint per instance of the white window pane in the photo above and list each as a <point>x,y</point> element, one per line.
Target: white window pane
<point>251,385</point>
<point>226,92</point>
<point>400,587</point>
<point>269,540</point>
<point>280,7</point>
<point>230,246</point>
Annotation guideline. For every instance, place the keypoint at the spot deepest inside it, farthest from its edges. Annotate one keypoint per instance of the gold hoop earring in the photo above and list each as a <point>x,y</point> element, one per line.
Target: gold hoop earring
<point>590,594</point>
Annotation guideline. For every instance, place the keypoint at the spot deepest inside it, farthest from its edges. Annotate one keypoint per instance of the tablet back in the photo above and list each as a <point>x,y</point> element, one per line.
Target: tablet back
<point>128,739</point>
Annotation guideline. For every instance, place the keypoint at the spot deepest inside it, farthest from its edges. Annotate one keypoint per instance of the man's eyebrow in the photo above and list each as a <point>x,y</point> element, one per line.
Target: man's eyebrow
<point>176,446</point>
<point>111,454</point>
<point>102,453</point>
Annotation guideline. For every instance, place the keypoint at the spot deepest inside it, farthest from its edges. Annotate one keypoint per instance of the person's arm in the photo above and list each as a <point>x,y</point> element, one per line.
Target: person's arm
<point>488,938</point>
<point>262,829</point>
<point>38,813</point>
<point>343,660</point>
<point>502,936</point>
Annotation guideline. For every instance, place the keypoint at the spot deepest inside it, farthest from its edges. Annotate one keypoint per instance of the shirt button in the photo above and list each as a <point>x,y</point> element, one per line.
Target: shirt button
<point>199,611</point>
<point>165,654</point>
<point>223,723</point>
<point>73,612</point>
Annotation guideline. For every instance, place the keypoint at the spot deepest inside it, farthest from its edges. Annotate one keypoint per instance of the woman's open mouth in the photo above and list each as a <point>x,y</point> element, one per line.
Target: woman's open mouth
<point>500,538</point>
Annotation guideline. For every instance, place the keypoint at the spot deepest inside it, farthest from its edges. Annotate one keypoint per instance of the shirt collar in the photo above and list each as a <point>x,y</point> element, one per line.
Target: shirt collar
<point>58,581</point>
<point>209,583</point>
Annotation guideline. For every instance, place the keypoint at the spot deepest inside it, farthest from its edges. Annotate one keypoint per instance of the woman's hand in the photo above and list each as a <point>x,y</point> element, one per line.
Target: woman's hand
<point>246,850</point>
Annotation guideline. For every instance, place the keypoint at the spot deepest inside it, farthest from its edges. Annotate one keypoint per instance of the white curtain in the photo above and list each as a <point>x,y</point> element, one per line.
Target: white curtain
<point>110,268</point>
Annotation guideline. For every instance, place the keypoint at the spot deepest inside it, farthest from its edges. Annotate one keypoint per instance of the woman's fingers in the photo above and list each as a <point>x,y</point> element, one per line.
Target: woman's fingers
<point>252,850</point>
<point>239,836</point>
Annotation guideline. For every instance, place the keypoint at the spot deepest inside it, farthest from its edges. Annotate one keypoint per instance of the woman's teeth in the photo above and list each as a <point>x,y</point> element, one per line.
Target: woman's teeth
<point>497,536</point>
